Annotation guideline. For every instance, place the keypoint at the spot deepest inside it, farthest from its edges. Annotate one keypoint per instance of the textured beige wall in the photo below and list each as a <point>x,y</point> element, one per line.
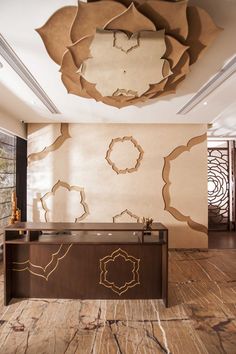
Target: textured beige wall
<point>174,158</point>
<point>12,125</point>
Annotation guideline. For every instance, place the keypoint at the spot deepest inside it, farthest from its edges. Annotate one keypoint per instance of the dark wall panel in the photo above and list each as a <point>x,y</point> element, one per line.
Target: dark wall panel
<point>21,176</point>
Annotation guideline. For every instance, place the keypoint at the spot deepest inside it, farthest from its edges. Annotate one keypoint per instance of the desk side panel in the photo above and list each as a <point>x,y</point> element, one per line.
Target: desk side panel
<point>165,274</point>
<point>7,273</point>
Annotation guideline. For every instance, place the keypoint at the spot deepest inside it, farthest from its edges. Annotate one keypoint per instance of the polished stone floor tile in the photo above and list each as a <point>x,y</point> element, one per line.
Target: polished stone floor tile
<point>201,317</point>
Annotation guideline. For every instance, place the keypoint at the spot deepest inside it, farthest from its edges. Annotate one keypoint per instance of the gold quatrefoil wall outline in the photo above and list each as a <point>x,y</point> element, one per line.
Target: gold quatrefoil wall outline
<point>104,271</point>
<point>166,188</point>
<point>49,269</point>
<point>138,161</point>
<point>69,188</point>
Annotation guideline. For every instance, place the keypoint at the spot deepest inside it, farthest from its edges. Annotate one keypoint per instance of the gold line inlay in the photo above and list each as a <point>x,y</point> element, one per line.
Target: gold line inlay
<point>63,249</point>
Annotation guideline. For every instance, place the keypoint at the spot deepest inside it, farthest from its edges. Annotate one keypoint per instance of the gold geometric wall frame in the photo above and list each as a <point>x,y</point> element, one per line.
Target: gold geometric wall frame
<point>166,188</point>
<point>104,271</point>
<point>54,146</point>
<point>69,188</point>
<point>126,212</point>
<point>70,35</point>
<point>49,269</point>
<point>113,164</point>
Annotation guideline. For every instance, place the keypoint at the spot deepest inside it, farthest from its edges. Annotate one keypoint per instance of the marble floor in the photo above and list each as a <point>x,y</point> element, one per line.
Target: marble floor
<point>201,318</point>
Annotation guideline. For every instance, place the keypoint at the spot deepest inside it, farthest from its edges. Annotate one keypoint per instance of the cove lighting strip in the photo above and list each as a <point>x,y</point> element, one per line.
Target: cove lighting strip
<point>210,86</point>
<point>18,66</point>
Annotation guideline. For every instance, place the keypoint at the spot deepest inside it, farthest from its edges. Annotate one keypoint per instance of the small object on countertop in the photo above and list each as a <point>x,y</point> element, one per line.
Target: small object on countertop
<point>27,236</point>
<point>18,214</point>
<point>15,212</point>
<point>147,223</point>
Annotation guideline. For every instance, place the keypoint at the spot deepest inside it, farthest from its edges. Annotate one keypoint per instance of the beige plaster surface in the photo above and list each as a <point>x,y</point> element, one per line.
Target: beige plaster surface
<point>185,181</point>
<point>71,196</point>
<point>42,135</point>
<point>12,125</point>
<point>80,161</point>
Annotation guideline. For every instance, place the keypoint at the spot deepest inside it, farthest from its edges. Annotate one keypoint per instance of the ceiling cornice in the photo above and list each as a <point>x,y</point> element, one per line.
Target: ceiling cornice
<point>222,75</point>
<point>18,66</point>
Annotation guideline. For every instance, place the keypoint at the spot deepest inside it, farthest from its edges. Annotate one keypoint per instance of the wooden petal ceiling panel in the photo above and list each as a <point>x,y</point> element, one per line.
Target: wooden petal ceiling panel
<point>70,78</point>
<point>93,15</point>
<point>56,32</point>
<point>168,15</point>
<point>123,52</point>
<point>91,90</point>
<point>174,50</point>
<point>131,21</point>
<point>80,50</point>
<point>156,88</point>
<point>202,31</point>
<point>181,69</point>
<point>127,3</point>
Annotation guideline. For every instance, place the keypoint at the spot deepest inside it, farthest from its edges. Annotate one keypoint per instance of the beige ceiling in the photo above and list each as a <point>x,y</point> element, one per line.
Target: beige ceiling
<point>18,20</point>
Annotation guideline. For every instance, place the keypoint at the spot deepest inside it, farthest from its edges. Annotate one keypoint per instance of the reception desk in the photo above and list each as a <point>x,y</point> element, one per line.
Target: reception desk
<point>86,261</point>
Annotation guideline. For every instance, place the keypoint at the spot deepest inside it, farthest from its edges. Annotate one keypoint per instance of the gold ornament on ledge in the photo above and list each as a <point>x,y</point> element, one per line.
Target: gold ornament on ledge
<point>15,212</point>
<point>147,224</point>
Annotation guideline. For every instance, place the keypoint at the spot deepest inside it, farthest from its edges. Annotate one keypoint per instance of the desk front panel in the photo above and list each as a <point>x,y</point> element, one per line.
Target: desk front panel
<point>84,271</point>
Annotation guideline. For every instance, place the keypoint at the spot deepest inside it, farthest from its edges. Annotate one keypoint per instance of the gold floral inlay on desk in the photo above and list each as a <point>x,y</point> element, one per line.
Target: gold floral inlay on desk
<point>119,253</point>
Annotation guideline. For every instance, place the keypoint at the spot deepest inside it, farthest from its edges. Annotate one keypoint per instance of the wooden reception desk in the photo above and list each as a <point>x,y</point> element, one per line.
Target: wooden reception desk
<point>86,261</point>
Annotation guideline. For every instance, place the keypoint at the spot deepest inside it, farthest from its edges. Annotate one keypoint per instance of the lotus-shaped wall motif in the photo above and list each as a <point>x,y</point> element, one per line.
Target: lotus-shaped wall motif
<point>124,52</point>
<point>64,203</point>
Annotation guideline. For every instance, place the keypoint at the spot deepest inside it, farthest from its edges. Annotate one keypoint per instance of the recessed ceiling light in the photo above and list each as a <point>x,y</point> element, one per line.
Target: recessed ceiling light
<point>205,103</point>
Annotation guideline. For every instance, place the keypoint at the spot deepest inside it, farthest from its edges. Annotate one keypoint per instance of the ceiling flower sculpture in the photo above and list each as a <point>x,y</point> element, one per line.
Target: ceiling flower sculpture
<point>124,52</point>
